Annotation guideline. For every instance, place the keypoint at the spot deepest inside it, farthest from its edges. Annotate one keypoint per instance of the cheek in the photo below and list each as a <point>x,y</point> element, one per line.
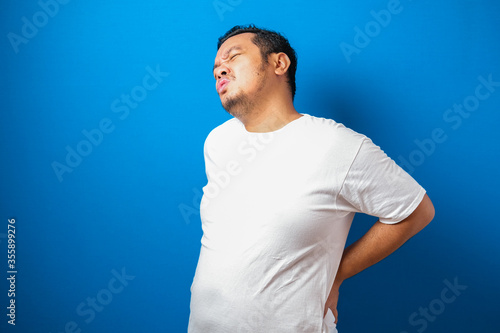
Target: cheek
<point>247,73</point>
<point>249,77</point>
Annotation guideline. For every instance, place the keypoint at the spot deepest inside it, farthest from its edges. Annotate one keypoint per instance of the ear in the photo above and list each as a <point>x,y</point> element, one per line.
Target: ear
<point>281,63</point>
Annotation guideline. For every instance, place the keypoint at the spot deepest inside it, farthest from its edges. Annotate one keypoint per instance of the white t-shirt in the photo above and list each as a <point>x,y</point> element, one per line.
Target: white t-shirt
<point>275,214</point>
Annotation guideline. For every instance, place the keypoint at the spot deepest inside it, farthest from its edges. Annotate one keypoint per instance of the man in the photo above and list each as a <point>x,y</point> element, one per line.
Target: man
<point>283,188</point>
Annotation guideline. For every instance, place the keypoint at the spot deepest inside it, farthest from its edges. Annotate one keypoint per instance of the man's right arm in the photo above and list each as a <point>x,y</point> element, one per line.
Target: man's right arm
<point>379,241</point>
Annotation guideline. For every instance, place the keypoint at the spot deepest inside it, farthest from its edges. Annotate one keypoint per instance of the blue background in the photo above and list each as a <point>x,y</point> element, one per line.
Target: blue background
<point>131,202</point>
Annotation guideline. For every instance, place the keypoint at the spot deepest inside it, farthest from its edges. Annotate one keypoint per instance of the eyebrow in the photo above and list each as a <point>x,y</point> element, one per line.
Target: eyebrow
<point>233,48</point>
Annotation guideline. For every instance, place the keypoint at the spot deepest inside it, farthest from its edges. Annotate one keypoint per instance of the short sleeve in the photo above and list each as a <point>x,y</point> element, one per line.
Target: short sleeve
<point>376,185</point>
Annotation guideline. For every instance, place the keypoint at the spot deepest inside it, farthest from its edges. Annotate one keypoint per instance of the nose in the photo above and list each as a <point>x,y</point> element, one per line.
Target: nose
<point>221,71</point>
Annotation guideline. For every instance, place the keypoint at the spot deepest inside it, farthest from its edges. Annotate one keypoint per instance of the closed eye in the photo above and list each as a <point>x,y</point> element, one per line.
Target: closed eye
<point>230,58</point>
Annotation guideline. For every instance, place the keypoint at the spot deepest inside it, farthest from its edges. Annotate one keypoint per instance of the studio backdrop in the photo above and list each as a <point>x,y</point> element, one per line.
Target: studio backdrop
<point>105,106</point>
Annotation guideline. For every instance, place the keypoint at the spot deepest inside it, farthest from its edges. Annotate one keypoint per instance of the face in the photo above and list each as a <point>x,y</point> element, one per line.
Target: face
<point>240,74</point>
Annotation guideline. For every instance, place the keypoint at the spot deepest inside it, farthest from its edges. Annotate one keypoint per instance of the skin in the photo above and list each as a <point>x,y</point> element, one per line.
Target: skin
<point>379,241</point>
<point>265,98</point>
<point>258,94</point>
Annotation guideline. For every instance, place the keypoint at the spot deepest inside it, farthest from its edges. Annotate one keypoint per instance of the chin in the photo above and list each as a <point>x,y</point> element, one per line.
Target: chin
<point>229,102</point>
<point>237,106</point>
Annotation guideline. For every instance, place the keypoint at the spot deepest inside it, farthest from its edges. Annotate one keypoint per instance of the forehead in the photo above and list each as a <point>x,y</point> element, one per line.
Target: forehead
<point>239,42</point>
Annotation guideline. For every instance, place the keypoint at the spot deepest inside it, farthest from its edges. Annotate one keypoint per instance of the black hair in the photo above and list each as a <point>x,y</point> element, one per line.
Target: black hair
<point>269,42</point>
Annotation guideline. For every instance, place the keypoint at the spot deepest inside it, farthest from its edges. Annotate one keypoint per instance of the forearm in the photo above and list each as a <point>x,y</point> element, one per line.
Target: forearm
<point>382,240</point>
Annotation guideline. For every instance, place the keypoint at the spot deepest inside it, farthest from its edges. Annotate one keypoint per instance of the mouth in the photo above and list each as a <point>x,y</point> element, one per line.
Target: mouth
<point>221,85</point>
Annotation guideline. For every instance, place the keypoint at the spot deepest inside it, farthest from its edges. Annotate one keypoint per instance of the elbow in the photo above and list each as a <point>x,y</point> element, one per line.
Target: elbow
<point>421,217</point>
<point>427,211</point>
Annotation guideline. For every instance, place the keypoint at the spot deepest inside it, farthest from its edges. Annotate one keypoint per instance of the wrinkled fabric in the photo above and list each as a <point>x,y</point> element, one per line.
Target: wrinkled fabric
<point>275,214</point>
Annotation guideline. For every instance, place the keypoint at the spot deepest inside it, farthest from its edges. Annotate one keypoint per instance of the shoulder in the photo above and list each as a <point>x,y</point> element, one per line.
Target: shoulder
<point>222,132</point>
<point>330,131</point>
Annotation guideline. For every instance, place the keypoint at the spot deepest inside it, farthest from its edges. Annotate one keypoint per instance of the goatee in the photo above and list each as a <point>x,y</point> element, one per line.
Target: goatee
<point>238,106</point>
<point>241,105</point>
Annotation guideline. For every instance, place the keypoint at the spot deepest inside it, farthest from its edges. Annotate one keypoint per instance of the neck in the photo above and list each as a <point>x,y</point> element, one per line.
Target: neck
<point>270,115</point>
